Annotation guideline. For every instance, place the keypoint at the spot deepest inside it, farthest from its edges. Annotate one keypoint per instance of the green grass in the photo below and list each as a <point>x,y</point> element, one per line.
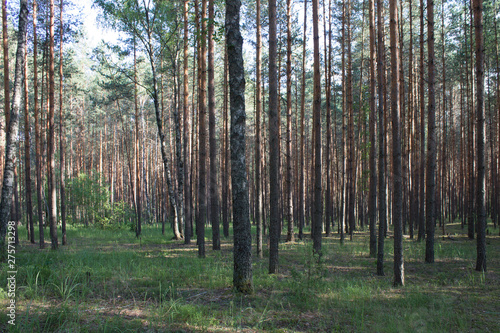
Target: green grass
<point>110,281</point>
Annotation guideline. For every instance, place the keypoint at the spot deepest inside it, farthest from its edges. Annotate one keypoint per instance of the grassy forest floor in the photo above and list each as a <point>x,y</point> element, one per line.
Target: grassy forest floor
<point>109,281</point>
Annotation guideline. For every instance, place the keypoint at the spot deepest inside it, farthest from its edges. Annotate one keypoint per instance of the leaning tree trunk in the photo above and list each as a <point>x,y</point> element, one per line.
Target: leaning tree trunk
<point>12,131</point>
<point>242,276</point>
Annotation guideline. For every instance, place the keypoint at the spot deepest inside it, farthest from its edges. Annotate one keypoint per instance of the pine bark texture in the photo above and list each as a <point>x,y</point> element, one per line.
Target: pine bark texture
<point>13,129</point>
<point>242,276</point>
<point>274,191</point>
<point>480,137</point>
<point>397,181</point>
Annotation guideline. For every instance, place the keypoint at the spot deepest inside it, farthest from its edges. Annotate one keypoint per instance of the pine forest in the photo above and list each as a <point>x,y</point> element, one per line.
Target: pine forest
<point>250,166</point>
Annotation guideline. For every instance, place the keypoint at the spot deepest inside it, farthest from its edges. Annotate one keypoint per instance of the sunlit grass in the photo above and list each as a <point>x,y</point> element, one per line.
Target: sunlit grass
<point>111,281</point>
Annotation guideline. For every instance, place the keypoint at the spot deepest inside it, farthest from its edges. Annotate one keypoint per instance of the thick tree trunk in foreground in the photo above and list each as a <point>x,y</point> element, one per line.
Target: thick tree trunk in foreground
<point>242,277</point>
<point>12,133</point>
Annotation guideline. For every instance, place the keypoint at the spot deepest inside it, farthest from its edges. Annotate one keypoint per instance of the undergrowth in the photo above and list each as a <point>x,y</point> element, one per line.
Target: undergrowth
<point>110,281</point>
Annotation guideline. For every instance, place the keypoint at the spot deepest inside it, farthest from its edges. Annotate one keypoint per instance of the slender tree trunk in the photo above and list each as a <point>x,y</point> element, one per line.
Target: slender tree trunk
<point>242,277</point>
<point>421,222</point>
<point>289,189</point>
<point>12,134</point>
<point>430,190</point>
<point>397,181</point>
<point>372,205</point>
<point>202,137</point>
<point>381,129</point>
<point>38,132</point>
<point>187,137</point>
<point>214,193</point>
<point>27,159</point>
<point>258,116</point>
<point>51,166</point>
<point>302,121</point>
<point>318,202</point>
<point>480,137</point>
<point>61,128</point>
<point>274,191</point>
<point>6,74</point>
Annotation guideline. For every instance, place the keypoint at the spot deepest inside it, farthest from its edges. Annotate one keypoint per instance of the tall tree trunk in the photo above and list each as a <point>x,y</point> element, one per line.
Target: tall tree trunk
<point>480,137</point>
<point>372,205</point>
<point>187,137</point>
<point>51,142</point>
<point>38,132</point>
<point>318,202</point>
<point>289,189</point>
<point>350,129</point>
<point>214,193</point>
<point>137,179</point>
<point>61,128</point>
<point>27,159</point>
<point>421,222</point>
<point>381,128</point>
<point>430,190</point>
<point>242,277</point>
<point>258,115</point>
<point>6,74</point>
<point>397,181</point>
<point>12,133</point>
<point>202,137</point>
<point>301,207</point>
<point>274,191</point>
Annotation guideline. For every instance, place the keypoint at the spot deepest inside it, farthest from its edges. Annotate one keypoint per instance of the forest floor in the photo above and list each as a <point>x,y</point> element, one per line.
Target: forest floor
<point>109,281</point>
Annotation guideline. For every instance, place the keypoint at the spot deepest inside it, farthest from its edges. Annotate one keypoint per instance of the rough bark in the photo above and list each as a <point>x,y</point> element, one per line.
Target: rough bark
<point>274,191</point>
<point>430,190</point>
<point>480,137</point>
<point>187,137</point>
<point>372,204</point>
<point>51,142</point>
<point>258,115</point>
<point>397,181</point>
<point>242,277</point>
<point>61,128</point>
<point>213,187</point>
<point>12,132</point>
<point>289,189</point>
<point>381,135</point>
<point>318,202</point>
